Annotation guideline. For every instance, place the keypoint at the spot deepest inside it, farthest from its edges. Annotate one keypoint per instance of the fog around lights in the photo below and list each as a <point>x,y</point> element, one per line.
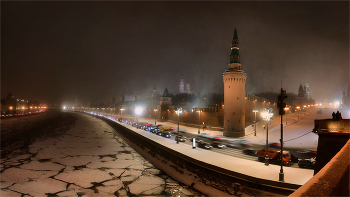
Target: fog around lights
<point>138,110</point>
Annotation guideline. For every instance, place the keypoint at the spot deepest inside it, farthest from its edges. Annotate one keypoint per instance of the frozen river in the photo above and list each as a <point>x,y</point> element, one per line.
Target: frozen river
<point>88,160</point>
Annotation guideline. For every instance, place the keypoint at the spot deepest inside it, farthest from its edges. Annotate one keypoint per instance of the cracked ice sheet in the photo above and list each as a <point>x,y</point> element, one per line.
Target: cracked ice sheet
<point>144,183</point>
<point>111,186</point>
<point>10,193</point>
<point>18,175</point>
<point>86,192</point>
<point>40,187</point>
<point>75,161</point>
<point>84,177</point>
<point>16,159</point>
<point>36,165</point>
<point>113,164</point>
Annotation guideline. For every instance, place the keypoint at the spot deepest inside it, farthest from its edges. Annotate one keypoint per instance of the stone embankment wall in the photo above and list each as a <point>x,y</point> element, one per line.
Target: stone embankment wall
<point>202,175</point>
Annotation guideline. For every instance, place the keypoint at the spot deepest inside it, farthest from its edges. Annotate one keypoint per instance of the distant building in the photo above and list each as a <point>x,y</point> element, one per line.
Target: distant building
<point>165,99</point>
<point>181,85</point>
<point>182,88</point>
<point>346,98</point>
<point>307,91</point>
<point>304,95</point>
<point>12,105</point>
<point>188,88</point>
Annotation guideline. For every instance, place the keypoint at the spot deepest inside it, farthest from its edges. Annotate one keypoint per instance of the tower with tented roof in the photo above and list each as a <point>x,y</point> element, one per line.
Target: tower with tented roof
<point>234,93</point>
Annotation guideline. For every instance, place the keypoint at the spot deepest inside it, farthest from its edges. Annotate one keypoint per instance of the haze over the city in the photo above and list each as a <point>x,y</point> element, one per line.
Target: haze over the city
<point>57,51</point>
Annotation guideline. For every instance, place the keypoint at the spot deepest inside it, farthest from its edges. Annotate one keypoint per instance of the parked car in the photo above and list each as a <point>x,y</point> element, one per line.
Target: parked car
<point>154,129</point>
<point>218,145</point>
<point>307,163</point>
<point>204,145</point>
<point>180,138</point>
<point>141,125</point>
<point>166,134</point>
<point>249,151</point>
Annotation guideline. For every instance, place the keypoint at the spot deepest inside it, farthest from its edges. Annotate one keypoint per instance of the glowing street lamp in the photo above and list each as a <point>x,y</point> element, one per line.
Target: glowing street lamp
<point>138,112</point>
<point>199,121</point>
<point>298,111</point>
<point>155,119</point>
<point>286,109</point>
<point>255,111</point>
<point>178,112</point>
<point>266,116</point>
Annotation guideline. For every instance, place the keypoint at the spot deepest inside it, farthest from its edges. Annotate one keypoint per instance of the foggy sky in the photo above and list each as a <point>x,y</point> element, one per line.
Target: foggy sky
<point>55,51</point>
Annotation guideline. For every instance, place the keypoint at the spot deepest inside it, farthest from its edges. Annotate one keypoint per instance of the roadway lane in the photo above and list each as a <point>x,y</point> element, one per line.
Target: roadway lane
<point>244,166</point>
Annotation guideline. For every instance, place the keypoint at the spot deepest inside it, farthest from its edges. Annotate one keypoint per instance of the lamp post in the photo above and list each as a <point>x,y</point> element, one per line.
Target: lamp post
<point>286,109</point>
<point>121,111</point>
<point>266,116</point>
<point>178,112</point>
<point>298,111</point>
<point>255,111</point>
<point>138,111</point>
<point>199,121</point>
<point>155,119</point>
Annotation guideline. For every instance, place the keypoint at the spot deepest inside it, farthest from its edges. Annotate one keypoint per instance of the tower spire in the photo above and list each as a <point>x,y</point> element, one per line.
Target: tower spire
<point>235,36</point>
<point>235,62</point>
<point>234,57</point>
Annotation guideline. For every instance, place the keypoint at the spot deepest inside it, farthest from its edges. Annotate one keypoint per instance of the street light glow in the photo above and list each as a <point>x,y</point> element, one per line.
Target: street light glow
<point>138,110</point>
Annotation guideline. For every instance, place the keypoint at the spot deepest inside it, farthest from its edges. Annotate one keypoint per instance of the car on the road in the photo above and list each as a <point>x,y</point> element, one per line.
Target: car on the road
<point>204,145</point>
<point>308,152</point>
<point>274,144</point>
<point>250,151</point>
<point>238,144</point>
<point>154,129</point>
<point>166,134</point>
<point>141,125</point>
<point>197,140</point>
<point>218,145</point>
<point>205,135</point>
<point>274,156</point>
<point>307,163</point>
<point>180,138</point>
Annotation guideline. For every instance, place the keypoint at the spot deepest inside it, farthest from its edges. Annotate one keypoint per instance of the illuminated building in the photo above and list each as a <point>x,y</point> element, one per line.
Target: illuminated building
<point>234,93</point>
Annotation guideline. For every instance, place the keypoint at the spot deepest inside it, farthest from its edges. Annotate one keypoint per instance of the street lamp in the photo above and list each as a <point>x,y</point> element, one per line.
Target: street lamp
<point>286,109</point>
<point>266,116</point>
<point>121,111</point>
<point>155,119</point>
<point>178,112</point>
<point>298,111</point>
<point>199,121</point>
<point>255,111</point>
<point>138,111</point>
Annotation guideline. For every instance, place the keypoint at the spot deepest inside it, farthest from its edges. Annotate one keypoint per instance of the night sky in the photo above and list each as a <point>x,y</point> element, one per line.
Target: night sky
<point>53,51</point>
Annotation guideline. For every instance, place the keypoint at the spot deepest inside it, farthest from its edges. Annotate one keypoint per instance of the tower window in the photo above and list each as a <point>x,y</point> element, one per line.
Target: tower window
<point>233,113</point>
<point>228,86</point>
<point>228,120</point>
<point>237,98</point>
